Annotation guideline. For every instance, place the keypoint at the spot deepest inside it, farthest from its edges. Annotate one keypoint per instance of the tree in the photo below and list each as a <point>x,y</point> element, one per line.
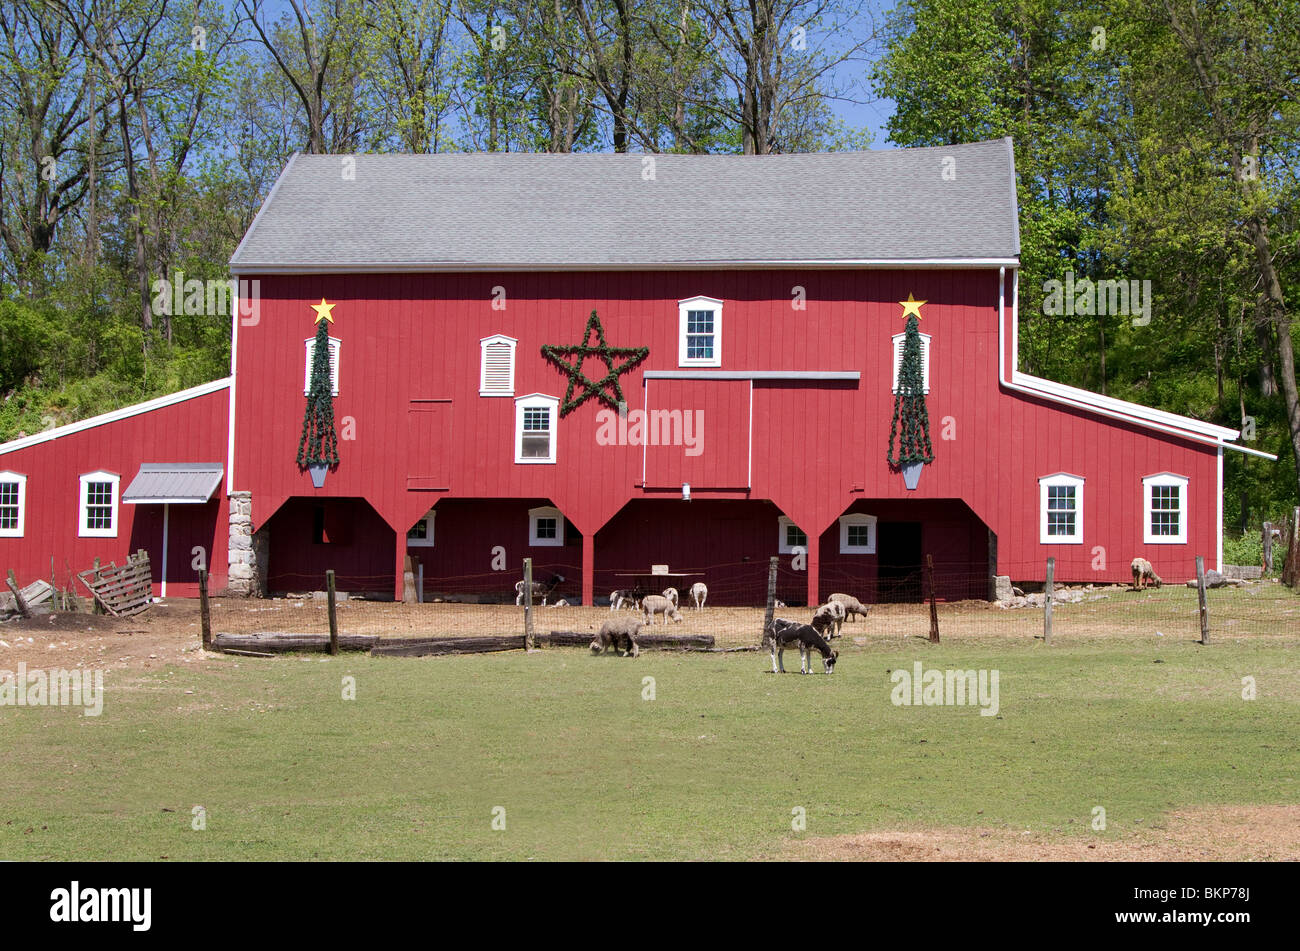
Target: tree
<point>909,430</point>
<point>319,443</point>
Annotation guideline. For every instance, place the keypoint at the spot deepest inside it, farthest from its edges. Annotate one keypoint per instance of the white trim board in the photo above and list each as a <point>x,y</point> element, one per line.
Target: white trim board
<point>125,412</point>
<point>447,267</point>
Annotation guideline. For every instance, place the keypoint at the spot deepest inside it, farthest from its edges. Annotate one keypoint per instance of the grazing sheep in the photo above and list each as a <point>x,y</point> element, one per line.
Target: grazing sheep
<point>624,598</point>
<point>657,604</point>
<point>671,595</point>
<point>852,606</point>
<point>829,618</point>
<point>783,634</point>
<point>1144,573</point>
<point>699,594</point>
<point>620,634</point>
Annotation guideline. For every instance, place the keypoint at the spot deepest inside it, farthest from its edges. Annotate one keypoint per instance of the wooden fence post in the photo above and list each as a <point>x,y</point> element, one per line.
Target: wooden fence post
<point>334,621</point>
<point>205,614</point>
<point>408,581</point>
<point>95,606</point>
<point>1047,600</point>
<point>1200,597</point>
<point>771,598</point>
<point>1291,559</point>
<point>934,611</point>
<point>530,642</point>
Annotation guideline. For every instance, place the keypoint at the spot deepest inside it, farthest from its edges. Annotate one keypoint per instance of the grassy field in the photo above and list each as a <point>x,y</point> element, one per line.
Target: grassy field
<point>585,768</point>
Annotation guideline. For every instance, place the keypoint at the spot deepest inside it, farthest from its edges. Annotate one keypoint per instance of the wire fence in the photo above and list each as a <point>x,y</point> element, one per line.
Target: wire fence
<point>898,607</point>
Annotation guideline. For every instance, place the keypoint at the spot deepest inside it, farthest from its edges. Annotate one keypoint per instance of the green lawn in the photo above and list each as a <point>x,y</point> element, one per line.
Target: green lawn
<point>587,769</point>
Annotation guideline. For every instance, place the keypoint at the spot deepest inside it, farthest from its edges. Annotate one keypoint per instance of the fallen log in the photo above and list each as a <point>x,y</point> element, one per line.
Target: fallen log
<point>645,640</point>
<point>435,646</point>
<point>239,653</point>
<point>281,643</point>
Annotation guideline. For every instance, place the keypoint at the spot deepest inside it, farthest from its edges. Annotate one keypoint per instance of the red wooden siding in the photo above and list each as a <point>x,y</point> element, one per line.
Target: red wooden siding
<point>190,431</point>
<point>715,416</point>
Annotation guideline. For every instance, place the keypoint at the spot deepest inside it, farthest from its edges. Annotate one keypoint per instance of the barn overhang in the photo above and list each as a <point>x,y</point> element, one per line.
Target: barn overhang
<point>175,483</point>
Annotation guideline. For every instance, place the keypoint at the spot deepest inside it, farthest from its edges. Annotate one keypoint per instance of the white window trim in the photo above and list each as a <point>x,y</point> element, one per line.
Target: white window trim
<point>531,401</point>
<point>857,519</point>
<point>1165,479</point>
<point>483,345</point>
<point>898,340</point>
<point>427,540</point>
<point>22,504</point>
<point>336,346</point>
<point>546,511</point>
<point>684,307</point>
<point>782,547</point>
<point>1060,479</point>
<point>101,476</point>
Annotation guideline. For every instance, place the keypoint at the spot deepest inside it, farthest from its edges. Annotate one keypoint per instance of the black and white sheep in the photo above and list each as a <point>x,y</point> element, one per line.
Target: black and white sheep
<point>620,634</point>
<point>624,598</point>
<point>829,618</point>
<point>541,589</point>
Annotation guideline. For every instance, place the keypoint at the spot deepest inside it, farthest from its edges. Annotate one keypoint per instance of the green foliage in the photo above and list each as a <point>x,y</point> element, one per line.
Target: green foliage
<point>909,430</point>
<point>319,443</point>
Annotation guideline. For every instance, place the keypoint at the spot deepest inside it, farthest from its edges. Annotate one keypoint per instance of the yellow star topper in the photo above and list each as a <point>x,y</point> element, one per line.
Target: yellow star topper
<point>911,306</point>
<point>323,311</point>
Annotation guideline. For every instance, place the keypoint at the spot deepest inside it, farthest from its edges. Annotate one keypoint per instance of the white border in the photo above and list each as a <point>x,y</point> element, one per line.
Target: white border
<point>533,400</point>
<point>117,414</point>
<point>684,307</point>
<point>782,548</point>
<point>336,356</point>
<point>898,340</point>
<point>1060,479</point>
<point>1184,508</point>
<point>97,476</point>
<point>545,511</point>
<point>857,518</point>
<point>428,539</point>
<point>483,345</point>
<point>8,476</point>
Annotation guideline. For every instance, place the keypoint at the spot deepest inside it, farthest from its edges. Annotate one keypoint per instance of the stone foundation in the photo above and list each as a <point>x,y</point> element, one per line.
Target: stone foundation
<point>249,551</point>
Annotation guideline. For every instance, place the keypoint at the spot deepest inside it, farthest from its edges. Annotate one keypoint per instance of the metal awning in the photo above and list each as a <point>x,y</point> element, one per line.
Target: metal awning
<point>175,483</point>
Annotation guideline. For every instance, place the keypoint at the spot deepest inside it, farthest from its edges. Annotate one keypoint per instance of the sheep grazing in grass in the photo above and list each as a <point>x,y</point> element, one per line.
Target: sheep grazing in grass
<point>699,594</point>
<point>620,634</point>
<point>1144,573</point>
<point>852,606</point>
<point>671,595</point>
<point>829,618</point>
<point>657,604</point>
<point>623,598</point>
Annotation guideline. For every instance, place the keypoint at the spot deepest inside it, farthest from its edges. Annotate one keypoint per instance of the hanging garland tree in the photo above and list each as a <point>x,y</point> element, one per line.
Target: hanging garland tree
<point>910,429</point>
<point>319,443</point>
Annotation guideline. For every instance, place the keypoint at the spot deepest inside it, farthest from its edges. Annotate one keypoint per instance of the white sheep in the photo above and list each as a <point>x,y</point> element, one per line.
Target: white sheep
<point>671,595</point>
<point>852,606</point>
<point>619,633</point>
<point>539,591</point>
<point>699,594</point>
<point>828,619</point>
<point>657,604</point>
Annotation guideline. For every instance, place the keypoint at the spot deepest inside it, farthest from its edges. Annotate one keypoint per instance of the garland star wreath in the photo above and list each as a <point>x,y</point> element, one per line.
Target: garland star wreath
<point>606,389</point>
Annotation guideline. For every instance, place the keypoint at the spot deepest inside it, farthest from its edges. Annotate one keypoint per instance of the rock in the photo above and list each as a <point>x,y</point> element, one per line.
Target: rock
<point>1017,592</point>
<point>1247,572</point>
<point>1213,579</point>
<point>1002,590</point>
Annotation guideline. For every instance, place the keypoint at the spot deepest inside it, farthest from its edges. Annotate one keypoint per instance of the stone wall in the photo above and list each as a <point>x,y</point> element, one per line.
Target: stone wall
<point>249,550</point>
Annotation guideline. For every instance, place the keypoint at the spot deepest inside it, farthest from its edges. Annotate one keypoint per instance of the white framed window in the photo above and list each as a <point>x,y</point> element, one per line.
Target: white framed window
<point>497,366</point>
<point>97,511</point>
<point>1164,509</point>
<point>925,360</point>
<point>791,537</point>
<point>420,534</point>
<point>1060,509</point>
<point>699,332</point>
<point>535,428</point>
<point>335,345</point>
<point>545,527</point>
<point>857,534</point>
<point>13,504</point>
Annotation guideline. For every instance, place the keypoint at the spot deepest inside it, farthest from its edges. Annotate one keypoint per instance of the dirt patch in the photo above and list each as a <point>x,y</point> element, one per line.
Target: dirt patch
<point>1222,833</point>
<point>165,635</point>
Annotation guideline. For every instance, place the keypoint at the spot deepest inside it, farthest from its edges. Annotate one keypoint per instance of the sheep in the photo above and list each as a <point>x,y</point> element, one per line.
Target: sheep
<point>852,606</point>
<point>542,589</point>
<point>657,604</point>
<point>699,594</point>
<point>1143,571</point>
<point>671,595</point>
<point>620,634</point>
<point>624,597</point>
<point>779,604</point>
<point>560,604</point>
<point>829,618</point>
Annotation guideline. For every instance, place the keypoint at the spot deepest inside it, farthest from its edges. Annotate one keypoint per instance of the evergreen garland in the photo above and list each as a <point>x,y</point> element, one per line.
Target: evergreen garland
<point>910,426</point>
<point>597,388</point>
<point>319,444</point>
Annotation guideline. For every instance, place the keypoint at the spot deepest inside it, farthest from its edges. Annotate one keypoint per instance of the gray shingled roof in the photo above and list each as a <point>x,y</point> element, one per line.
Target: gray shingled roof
<point>536,211</point>
<point>174,482</point>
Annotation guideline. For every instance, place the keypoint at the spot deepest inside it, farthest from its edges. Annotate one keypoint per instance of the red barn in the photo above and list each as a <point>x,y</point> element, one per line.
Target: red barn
<point>748,319</point>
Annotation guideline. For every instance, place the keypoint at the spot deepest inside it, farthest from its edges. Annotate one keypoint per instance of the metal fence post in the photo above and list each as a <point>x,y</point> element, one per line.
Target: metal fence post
<point>1047,601</point>
<point>529,640</point>
<point>334,622</point>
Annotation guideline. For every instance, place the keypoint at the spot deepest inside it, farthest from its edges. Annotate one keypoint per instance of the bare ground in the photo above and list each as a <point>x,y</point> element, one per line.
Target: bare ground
<point>1221,833</point>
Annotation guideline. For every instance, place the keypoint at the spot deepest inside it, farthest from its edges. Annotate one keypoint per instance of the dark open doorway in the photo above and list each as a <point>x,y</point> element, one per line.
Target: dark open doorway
<point>899,558</point>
